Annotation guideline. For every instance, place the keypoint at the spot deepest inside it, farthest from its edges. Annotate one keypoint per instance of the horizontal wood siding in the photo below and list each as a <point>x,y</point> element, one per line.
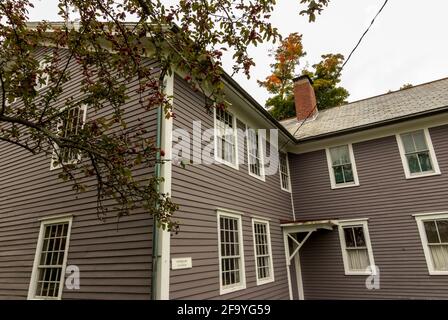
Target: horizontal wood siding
<point>200,190</point>
<point>388,200</point>
<point>114,259</point>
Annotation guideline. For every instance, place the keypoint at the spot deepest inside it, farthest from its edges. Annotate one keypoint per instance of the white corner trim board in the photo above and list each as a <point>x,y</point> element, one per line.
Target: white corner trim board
<point>163,280</point>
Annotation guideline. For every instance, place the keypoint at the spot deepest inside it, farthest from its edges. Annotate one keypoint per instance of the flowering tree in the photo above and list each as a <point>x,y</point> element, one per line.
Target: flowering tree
<point>39,110</point>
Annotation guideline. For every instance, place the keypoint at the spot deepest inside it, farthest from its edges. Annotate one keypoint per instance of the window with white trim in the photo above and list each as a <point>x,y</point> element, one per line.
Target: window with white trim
<point>285,180</point>
<point>263,254</point>
<point>341,166</point>
<point>255,153</point>
<point>72,121</point>
<point>231,256</point>
<point>434,235</point>
<point>417,154</point>
<point>47,279</point>
<point>356,248</point>
<point>44,78</point>
<point>225,137</point>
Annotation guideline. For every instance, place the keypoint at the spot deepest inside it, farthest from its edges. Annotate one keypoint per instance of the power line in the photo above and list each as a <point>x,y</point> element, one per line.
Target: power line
<point>365,32</point>
<point>342,67</point>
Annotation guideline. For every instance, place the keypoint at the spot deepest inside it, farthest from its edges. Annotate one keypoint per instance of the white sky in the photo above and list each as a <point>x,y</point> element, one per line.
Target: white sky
<point>407,44</point>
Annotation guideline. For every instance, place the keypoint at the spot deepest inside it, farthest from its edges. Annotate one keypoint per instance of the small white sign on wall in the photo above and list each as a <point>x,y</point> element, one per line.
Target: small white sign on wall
<point>181,263</point>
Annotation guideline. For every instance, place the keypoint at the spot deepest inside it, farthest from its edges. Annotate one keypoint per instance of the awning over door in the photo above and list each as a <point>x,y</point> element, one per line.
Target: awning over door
<point>291,229</point>
<point>295,234</point>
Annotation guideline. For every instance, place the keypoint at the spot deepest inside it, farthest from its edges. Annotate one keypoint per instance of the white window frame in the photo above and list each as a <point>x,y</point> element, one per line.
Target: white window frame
<point>242,285</point>
<point>235,136</point>
<point>334,185</point>
<point>56,147</point>
<point>35,273</point>
<point>42,65</point>
<point>420,219</point>
<point>271,263</point>
<point>280,172</point>
<point>432,154</point>
<point>353,223</point>
<point>262,176</point>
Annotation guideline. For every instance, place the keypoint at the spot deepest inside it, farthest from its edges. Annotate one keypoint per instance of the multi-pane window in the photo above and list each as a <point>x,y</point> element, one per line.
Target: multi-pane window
<point>72,121</point>
<point>341,165</point>
<point>225,137</point>
<point>284,171</point>
<point>417,153</point>
<point>49,264</point>
<point>433,230</point>
<point>263,254</point>
<point>231,253</point>
<point>254,152</point>
<point>356,248</point>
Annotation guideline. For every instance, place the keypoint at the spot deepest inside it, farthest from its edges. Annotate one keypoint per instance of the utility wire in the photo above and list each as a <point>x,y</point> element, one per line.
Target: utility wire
<point>342,67</point>
<point>365,32</point>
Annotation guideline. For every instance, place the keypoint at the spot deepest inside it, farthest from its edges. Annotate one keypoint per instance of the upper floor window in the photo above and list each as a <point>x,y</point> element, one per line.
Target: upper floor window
<point>225,138</point>
<point>50,260</point>
<point>356,248</point>
<point>72,121</point>
<point>44,79</point>
<point>263,254</point>
<point>285,180</point>
<point>255,154</point>
<point>433,230</point>
<point>341,166</point>
<point>231,264</point>
<point>417,154</point>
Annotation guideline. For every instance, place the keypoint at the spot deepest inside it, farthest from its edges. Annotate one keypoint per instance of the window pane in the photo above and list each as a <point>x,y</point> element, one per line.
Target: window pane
<point>419,140</point>
<point>442,225</point>
<point>340,155</point>
<point>408,143</point>
<point>425,161</point>
<point>359,236</point>
<point>439,254</point>
<point>338,174</point>
<point>431,232</point>
<point>413,163</point>
<point>358,259</point>
<point>349,239</point>
<point>348,173</point>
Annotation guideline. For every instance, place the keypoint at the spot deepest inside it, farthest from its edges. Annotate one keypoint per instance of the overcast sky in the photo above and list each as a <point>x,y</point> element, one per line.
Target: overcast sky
<point>407,44</point>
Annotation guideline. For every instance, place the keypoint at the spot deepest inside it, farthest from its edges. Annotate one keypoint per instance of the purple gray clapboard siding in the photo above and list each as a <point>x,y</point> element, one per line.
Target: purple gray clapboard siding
<point>388,200</point>
<point>114,263</point>
<point>200,190</point>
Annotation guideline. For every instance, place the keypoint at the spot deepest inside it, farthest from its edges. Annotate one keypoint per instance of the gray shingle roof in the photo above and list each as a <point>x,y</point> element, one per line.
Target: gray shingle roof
<point>380,109</point>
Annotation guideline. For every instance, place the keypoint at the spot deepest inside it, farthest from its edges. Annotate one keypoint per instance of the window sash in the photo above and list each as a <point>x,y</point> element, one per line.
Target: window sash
<point>356,247</point>
<point>417,153</point>
<point>284,171</point>
<point>341,164</point>
<point>263,254</point>
<point>225,135</point>
<point>72,122</point>
<point>254,153</point>
<point>47,278</point>
<point>230,252</point>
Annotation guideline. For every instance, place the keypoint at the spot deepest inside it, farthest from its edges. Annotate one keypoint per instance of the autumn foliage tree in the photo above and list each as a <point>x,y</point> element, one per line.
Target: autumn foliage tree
<point>38,62</point>
<point>325,75</point>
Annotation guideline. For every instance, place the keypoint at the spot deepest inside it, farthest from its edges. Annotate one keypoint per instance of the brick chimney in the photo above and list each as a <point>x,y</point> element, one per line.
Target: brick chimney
<point>304,98</point>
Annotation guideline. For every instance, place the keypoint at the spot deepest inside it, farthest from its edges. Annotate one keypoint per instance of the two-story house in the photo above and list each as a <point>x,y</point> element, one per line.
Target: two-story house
<point>344,203</point>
